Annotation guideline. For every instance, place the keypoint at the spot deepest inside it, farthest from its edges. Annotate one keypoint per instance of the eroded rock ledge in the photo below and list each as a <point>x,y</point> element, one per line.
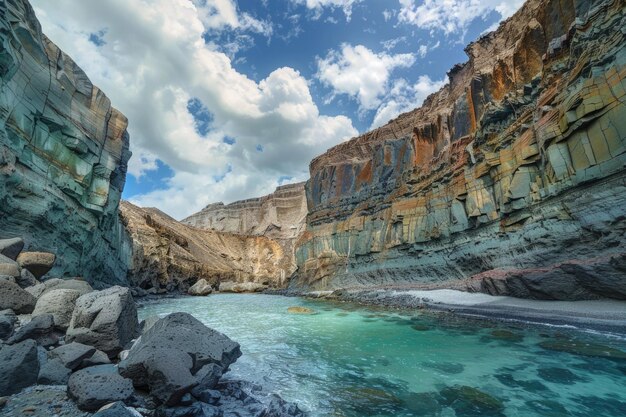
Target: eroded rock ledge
<point>510,180</point>
<point>63,154</point>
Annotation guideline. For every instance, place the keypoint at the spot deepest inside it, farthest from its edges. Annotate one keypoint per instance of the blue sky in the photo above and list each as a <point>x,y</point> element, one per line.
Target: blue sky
<point>228,99</point>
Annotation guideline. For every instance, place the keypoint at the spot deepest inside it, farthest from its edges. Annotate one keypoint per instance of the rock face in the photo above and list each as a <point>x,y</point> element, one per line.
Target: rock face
<point>63,155</point>
<point>515,167</point>
<point>168,255</point>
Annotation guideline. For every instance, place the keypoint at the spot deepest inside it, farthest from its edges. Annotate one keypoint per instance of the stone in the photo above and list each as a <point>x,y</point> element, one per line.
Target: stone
<point>98,358</point>
<point>208,396</point>
<point>469,401</point>
<point>11,248</point>
<point>19,367</point>
<point>53,284</point>
<point>582,348</point>
<point>238,287</point>
<point>38,263</point>
<point>161,360</point>
<point>8,267</point>
<point>59,303</point>
<point>40,328</point>
<point>200,288</point>
<point>116,409</point>
<point>15,298</point>
<point>148,322</point>
<point>300,310</point>
<point>106,320</point>
<point>94,387</point>
<point>8,319</point>
<point>206,379</point>
<point>26,279</point>
<point>53,372</point>
<point>72,355</point>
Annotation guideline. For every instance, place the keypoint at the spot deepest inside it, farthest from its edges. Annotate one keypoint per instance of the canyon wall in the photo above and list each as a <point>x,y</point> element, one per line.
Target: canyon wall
<point>510,180</point>
<point>171,256</point>
<point>63,155</point>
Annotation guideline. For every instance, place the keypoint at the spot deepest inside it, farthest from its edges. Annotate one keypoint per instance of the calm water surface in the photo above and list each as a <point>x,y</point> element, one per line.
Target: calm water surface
<point>354,361</point>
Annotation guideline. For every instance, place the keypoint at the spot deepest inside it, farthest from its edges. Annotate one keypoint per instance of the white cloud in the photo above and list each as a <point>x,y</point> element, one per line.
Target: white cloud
<point>404,97</point>
<point>453,16</point>
<point>222,14</point>
<point>154,60</point>
<point>318,6</point>
<point>360,73</point>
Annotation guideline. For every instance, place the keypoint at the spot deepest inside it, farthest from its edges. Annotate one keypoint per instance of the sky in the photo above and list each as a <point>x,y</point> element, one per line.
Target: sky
<point>228,99</point>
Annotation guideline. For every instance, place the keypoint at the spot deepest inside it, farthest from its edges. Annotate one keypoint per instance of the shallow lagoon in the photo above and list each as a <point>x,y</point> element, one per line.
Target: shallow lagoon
<point>348,360</point>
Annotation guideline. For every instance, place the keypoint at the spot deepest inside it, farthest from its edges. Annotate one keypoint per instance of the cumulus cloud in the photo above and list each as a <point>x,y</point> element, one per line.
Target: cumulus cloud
<point>404,97</point>
<point>453,16</point>
<point>360,73</point>
<point>318,6</point>
<point>151,60</point>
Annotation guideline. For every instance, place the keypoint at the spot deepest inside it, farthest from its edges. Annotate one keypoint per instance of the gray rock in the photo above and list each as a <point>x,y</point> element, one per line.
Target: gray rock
<point>11,248</point>
<point>231,286</point>
<point>15,298</point>
<point>8,267</point>
<point>73,354</point>
<point>104,319</point>
<point>147,323</point>
<point>200,288</point>
<point>19,367</point>
<point>161,360</point>
<point>39,263</point>
<point>195,410</point>
<point>207,378</point>
<point>117,409</point>
<point>8,319</point>
<point>60,303</point>
<point>53,372</point>
<point>209,396</point>
<point>98,358</point>
<point>40,328</point>
<point>26,279</point>
<point>97,386</point>
<point>8,278</point>
<point>60,284</point>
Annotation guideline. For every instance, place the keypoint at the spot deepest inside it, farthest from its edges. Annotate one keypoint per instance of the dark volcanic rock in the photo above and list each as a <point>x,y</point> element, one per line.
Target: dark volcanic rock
<point>26,279</point>
<point>168,357</point>
<point>97,386</point>
<point>73,354</point>
<point>11,248</point>
<point>117,409</point>
<point>106,320</point>
<point>53,372</point>
<point>40,328</point>
<point>19,367</point>
<point>8,319</point>
<point>15,298</point>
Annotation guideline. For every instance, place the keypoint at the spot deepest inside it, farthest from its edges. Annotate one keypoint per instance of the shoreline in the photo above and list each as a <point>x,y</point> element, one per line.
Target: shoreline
<point>606,316</point>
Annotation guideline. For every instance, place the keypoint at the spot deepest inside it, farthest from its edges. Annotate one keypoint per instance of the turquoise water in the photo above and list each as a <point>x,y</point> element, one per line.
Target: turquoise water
<point>350,361</point>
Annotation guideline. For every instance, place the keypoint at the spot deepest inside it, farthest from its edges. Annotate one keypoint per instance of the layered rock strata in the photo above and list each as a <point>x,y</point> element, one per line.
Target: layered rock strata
<point>170,256</point>
<point>509,180</point>
<point>63,154</point>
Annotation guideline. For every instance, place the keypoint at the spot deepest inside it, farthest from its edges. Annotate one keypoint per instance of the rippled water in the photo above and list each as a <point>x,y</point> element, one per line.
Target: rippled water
<point>349,360</point>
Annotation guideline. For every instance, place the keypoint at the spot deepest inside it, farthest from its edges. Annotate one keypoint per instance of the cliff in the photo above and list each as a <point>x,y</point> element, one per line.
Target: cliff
<point>169,255</point>
<point>63,155</point>
<point>510,180</point>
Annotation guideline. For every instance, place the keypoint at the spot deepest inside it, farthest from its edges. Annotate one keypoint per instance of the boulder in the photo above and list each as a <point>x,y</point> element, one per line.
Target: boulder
<point>147,323</point>
<point>200,288</point>
<point>53,372</point>
<point>59,303</point>
<point>11,248</point>
<point>117,409</point>
<point>26,279</point>
<point>207,378</point>
<point>40,328</point>
<point>39,263</point>
<point>19,367</point>
<point>73,354</point>
<point>8,267</point>
<point>104,319</point>
<point>94,387</point>
<point>15,298</point>
<point>231,286</point>
<point>168,357</point>
<point>8,319</point>
<point>60,284</point>
<point>98,358</point>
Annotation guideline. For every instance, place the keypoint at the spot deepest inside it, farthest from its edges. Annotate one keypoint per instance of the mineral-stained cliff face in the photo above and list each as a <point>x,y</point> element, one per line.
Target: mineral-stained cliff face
<point>169,255</point>
<point>63,154</point>
<point>510,180</point>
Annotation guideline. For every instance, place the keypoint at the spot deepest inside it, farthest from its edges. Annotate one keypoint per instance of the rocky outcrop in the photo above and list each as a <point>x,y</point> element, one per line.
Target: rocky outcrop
<point>517,164</point>
<point>63,155</point>
<point>169,256</point>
